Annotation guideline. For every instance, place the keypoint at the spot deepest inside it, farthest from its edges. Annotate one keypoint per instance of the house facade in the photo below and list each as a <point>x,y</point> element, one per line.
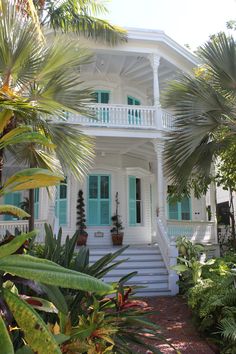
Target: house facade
<point>129,81</point>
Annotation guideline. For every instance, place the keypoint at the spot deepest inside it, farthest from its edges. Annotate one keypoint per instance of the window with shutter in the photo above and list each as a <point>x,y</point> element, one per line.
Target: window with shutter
<point>99,200</point>
<point>135,203</point>
<point>180,210</point>
<point>15,199</point>
<point>61,203</point>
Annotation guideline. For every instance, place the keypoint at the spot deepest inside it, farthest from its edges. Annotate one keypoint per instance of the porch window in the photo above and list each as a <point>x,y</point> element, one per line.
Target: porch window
<point>99,200</point>
<point>61,203</point>
<point>135,202</point>
<point>180,210</point>
<point>102,97</point>
<point>134,116</point>
<point>15,199</point>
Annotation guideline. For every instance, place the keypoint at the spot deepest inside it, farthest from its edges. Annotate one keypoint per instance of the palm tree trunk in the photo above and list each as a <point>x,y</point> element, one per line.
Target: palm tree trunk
<point>31,210</point>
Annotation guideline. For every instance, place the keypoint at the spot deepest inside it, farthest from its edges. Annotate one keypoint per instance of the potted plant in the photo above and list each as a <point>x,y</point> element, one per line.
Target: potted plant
<point>117,235</point>
<point>81,221</point>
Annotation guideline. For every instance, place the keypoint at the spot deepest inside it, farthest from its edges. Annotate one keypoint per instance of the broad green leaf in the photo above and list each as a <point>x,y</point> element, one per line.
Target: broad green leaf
<point>5,117</point>
<point>61,338</point>
<point>6,345</point>
<point>40,304</point>
<point>24,350</point>
<point>31,178</point>
<point>15,244</point>
<point>13,210</point>
<point>56,297</point>
<point>16,131</point>
<point>35,330</point>
<point>48,272</point>
<point>180,268</point>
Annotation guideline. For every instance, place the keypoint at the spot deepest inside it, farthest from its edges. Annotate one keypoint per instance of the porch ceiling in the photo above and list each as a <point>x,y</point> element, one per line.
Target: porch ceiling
<point>135,68</point>
<point>137,147</point>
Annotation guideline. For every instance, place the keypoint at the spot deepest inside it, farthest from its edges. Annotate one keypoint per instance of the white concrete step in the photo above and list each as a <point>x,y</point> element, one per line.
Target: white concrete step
<point>152,277</point>
<point>131,258</point>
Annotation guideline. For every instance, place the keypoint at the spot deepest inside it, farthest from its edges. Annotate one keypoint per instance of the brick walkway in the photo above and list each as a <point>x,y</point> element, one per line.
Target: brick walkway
<point>174,317</point>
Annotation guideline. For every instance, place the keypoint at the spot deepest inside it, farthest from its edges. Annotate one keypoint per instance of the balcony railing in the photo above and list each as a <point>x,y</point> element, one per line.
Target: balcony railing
<point>118,115</point>
<point>197,231</point>
<point>22,225</point>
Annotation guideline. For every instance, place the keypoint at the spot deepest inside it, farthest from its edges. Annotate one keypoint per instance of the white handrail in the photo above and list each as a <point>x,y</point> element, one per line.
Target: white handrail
<point>169,253</point>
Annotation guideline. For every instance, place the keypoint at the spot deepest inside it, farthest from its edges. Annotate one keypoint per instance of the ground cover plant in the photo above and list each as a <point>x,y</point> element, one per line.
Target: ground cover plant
<point>211,293</point>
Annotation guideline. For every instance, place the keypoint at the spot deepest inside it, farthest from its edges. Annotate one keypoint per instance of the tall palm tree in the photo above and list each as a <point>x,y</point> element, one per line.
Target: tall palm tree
<point>204,105</point>
<point>39,83</point>
<point>79,16</point>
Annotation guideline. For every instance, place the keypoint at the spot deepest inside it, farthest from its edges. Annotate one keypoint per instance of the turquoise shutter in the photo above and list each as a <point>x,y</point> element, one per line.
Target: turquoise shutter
<point>93,203</point>
<point>12,199</point>
<point>185,209</point>
<point>104,200</point>
<point>173,211</point>
<point>61,204</point>
<point>132,200</point>
<point>36,203</point>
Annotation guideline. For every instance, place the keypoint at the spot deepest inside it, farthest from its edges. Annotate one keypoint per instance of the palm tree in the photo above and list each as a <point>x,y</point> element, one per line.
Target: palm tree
<point>204,105</point>
<point>39,83</point>
<point>79,16</point>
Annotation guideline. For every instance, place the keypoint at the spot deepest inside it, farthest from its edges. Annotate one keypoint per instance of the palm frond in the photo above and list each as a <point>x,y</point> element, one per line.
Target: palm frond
<point>200,112</point>
<point>79,16</point>
<point>74,150</point>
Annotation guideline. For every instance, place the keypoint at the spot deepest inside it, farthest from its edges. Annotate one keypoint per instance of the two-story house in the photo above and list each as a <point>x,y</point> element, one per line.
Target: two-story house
<point>129,81</point>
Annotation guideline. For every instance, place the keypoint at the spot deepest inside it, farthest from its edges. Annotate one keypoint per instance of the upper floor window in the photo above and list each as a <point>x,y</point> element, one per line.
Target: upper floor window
<point>135,201</point>
<point>134,115</point>
<point>99,200</point>
<point>102,96</point>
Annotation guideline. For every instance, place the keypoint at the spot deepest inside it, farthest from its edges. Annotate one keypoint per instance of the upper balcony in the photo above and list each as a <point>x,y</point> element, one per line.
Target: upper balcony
<point>125,116</point>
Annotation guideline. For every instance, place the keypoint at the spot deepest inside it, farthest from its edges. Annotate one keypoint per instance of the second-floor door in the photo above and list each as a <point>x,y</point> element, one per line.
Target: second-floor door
<point>134,116</point>
<point>102,97</point>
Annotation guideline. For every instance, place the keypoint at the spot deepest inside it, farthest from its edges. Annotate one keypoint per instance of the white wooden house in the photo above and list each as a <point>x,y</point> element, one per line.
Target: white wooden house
<point>129,81</point>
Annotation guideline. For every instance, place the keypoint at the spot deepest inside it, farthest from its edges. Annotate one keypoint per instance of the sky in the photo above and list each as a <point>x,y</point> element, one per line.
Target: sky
<point>186,21</point>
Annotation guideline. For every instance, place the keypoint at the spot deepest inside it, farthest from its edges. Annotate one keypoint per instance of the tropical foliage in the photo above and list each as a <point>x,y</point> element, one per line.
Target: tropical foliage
<point>79,16</point>
<point>210,289</point>
<point>204,107</point>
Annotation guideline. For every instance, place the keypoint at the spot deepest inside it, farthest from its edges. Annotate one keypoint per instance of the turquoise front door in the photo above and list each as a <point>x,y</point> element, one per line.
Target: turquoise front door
<point>134,116</point>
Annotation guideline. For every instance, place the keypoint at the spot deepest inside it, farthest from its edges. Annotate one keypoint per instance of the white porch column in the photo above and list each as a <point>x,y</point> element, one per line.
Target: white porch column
<point>213,207</point>
<point>155,62</point>
<point>159,146</point>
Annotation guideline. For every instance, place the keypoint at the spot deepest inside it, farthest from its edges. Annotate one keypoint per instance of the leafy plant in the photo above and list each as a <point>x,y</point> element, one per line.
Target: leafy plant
<point>81,221</point>
<point>116,219</point>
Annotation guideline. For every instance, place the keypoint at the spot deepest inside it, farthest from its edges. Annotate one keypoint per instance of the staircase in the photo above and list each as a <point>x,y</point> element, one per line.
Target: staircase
<point>146,260</point>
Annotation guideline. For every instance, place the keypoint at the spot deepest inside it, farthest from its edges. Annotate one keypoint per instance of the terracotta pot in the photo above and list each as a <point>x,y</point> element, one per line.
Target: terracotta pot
<point>82,239</point>
<point>117,239</point>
